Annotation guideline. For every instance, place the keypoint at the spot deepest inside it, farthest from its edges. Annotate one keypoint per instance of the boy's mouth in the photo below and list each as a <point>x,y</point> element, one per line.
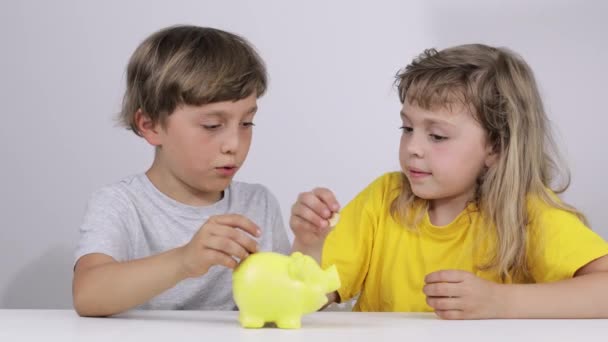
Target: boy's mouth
<point>228,170</point>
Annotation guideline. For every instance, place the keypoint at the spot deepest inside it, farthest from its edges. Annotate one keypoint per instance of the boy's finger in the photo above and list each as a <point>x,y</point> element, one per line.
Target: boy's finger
<point>238,221</point>
<point>220,258</point>
<point>236,236</point>
<point>226,246</point>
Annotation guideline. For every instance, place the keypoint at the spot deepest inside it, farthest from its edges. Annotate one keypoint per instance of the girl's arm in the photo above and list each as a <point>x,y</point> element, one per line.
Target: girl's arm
<point>458,294</point>
<point>584,296</point>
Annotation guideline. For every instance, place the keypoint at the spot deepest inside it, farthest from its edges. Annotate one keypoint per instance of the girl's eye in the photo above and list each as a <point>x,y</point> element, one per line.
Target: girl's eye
<point>406,129</point>
<point>248,124</point>
<point>437,138</point>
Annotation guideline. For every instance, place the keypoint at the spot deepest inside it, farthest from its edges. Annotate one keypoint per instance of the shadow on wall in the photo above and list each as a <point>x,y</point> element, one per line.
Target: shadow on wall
<point>45,283</point>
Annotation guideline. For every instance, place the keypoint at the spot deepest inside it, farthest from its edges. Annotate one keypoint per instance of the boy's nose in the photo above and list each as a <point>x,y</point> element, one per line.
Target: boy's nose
<point>230,143</point>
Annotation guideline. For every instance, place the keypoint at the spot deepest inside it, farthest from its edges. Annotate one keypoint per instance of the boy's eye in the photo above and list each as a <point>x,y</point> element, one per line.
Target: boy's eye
<point>436,137</point>
<point>406,129</point>
<point>248,124</point>
<point>211,127</point>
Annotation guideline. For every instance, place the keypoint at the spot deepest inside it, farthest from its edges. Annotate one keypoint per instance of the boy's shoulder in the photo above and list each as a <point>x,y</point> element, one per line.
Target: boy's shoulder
<point>120,193</point>
<point>122,187</point>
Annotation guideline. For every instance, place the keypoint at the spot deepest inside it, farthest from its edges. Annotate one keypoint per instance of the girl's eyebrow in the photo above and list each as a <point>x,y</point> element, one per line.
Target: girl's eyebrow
<point>429,121</point>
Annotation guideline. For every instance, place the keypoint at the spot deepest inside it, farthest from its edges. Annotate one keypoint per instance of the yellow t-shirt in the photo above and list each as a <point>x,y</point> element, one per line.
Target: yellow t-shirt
<point>386,263</point>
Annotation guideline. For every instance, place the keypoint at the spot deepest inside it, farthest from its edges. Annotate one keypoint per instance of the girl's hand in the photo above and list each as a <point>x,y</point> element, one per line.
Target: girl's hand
<point>458,294</point>
<point>310,216</point>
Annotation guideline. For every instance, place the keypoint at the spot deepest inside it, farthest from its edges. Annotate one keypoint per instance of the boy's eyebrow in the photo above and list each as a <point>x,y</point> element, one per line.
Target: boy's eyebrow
<point>251,110</point>
<point>429,121</point>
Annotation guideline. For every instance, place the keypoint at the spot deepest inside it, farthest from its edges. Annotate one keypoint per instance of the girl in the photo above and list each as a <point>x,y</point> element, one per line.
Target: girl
<point>471,227</point>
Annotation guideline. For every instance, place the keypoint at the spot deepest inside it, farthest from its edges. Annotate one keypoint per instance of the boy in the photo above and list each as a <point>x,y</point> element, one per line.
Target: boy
<point>150,240</point>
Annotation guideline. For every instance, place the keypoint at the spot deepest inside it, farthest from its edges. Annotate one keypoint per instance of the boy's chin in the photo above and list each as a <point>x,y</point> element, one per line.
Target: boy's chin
<point>218,184</point>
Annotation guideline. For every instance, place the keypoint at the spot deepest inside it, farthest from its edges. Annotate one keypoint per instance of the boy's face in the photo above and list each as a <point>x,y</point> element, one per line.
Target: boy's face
<point>442,152</point>
<point>200,148</point>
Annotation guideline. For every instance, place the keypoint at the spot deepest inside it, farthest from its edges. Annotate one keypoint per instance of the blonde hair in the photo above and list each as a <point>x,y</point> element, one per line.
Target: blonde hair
<point>500,89</point>
<point>189,65</point>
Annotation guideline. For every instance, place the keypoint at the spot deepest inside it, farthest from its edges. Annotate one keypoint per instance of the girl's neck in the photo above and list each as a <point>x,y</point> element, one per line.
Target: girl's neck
<point>443,211</point>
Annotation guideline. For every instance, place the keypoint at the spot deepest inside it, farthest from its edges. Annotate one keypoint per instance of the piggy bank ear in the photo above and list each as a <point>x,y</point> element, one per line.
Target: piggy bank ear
<point>294,268</point>
<point>301,267</point>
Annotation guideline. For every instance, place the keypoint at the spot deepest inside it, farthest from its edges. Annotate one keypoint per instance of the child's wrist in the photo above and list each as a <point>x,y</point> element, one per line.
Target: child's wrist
<point>506,300</point>
<point>182,272</point>
<point>305,247</point>
<point>312,249</point>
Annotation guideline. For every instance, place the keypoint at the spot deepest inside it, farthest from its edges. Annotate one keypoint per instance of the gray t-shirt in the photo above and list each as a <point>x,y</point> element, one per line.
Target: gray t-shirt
<point>132,219</point>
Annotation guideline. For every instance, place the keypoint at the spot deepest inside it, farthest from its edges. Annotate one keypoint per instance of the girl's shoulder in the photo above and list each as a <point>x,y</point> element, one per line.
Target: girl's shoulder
<point>551,210</point>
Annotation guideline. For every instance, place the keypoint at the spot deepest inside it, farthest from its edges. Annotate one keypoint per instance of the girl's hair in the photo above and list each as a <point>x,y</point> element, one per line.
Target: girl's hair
<point>499,88</point>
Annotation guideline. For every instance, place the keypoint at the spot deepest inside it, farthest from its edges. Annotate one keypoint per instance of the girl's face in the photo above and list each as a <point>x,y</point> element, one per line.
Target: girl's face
<point>442,152</point>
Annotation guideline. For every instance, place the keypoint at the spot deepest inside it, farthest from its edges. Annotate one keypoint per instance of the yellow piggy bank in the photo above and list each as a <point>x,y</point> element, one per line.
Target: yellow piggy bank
<point>271,287</point>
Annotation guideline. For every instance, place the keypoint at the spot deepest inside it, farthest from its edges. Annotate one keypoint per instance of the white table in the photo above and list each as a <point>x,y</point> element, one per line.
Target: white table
<point>222,326</point>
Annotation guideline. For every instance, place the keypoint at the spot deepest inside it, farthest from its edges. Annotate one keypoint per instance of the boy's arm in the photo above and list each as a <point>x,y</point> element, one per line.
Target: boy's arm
<point>102,286</point>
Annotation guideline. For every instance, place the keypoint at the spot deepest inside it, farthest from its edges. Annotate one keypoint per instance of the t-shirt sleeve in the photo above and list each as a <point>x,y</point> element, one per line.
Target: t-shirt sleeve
<point>104,228</point>
<point>560,244</point>
<point>349,244</point>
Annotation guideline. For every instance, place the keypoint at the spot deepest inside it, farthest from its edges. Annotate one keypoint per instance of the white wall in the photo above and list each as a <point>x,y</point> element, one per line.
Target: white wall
<point>330,117</point>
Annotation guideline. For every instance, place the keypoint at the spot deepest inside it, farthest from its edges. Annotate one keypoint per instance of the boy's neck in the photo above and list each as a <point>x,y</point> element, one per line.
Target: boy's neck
<point>444,210</point>
<point>179,191</point>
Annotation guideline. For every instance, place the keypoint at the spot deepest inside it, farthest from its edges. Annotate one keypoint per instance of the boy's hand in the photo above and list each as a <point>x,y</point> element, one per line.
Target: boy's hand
<point>221,239</point>
<point>310,216</point>
<point>458,294</point>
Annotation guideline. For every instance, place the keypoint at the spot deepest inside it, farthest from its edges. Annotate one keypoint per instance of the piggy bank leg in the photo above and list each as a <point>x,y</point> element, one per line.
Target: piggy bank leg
<point>291,322</point>
<point>250,321</point>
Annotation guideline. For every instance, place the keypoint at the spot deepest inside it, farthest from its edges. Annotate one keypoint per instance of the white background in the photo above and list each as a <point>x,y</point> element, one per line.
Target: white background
<point>330,117</point>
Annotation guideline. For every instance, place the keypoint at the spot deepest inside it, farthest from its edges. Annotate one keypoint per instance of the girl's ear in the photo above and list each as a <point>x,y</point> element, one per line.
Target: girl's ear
<point>148,129</point>
<point>491,157</point>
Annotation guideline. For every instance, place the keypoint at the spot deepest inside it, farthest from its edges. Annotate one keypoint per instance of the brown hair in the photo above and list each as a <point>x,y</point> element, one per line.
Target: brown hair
<point>189,65</point>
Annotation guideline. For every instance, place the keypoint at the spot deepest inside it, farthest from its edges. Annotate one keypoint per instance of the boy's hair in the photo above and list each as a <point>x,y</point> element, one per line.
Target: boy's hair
<point>500,90</point>
<point>189,65</point>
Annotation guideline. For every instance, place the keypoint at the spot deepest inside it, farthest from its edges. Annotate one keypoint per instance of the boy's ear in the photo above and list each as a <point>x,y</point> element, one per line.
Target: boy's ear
<point>148,129</point>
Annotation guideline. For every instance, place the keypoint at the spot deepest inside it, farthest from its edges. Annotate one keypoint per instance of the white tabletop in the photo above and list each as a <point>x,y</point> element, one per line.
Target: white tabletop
<point>222,326</point>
